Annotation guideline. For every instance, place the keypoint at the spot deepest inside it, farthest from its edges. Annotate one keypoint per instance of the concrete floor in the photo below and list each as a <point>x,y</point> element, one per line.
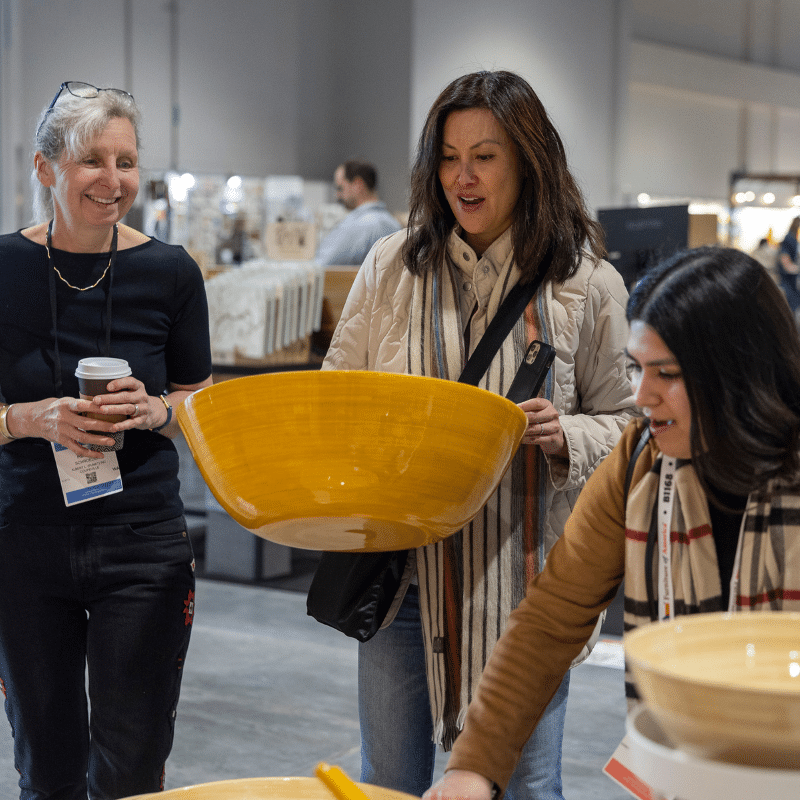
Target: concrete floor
<point>267,691</point>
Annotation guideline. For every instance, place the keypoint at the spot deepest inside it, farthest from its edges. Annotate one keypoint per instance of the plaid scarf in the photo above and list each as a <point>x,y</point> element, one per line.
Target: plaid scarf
<point>770,570</point>
<point>470,582</point>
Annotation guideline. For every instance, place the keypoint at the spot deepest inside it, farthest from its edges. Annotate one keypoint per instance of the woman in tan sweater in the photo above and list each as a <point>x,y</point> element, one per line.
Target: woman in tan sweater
<point>716,372</point>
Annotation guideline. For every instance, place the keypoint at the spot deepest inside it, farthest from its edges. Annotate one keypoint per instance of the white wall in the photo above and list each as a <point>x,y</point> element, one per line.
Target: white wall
<point>714,88</point>
<point>239,92</point>
<point>667,98</point>
<point>371,97</point>
<point>762,31</point>
<point>679,144</point>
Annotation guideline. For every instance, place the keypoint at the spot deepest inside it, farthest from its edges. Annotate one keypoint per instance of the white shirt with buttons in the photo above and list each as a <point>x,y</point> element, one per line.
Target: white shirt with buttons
<point>478,277</point>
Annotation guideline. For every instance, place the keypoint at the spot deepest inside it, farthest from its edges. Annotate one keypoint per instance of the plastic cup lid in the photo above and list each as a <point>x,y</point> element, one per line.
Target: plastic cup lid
<point>98,368</point>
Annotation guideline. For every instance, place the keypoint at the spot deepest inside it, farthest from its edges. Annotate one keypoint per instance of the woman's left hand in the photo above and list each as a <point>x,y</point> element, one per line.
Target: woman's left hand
<point>131,400</point>
<point>459,784</point>
<point>544,428</point>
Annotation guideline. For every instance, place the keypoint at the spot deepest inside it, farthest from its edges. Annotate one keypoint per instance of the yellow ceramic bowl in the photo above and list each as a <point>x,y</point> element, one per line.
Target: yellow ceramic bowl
<point>722,686</point>
<point>266,789</point>
<point>361,461</point>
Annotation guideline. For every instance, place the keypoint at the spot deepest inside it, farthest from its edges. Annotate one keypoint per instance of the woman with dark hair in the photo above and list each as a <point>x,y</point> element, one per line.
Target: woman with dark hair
<point>716,372</point>
<point>548,208</point>
<point>492,199</point>
<point>97,571</point>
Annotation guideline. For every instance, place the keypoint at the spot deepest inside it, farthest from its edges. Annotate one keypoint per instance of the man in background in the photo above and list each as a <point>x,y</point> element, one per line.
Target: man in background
<point>368,220</point>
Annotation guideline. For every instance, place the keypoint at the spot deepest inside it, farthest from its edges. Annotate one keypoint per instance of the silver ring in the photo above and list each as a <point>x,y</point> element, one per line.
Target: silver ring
<point>541,429</point>
<point>135,409</point>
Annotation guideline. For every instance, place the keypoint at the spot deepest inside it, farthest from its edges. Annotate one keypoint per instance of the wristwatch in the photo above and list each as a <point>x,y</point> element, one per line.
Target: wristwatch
<point>164,400</point>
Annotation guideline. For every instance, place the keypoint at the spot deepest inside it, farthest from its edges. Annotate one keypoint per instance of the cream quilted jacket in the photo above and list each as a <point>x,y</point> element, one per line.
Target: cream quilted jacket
<point>585,322</point>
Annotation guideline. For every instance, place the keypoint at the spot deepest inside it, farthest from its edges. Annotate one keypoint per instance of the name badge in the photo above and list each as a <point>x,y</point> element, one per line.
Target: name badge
<point>84,478</point>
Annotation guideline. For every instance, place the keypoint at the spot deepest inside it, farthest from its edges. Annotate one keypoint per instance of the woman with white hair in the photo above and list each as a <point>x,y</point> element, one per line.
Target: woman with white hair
<point>108,581</point>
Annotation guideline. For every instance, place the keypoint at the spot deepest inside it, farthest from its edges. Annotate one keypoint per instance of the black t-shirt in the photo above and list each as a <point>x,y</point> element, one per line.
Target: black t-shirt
<point>725,527</point>
<point>159,324</point>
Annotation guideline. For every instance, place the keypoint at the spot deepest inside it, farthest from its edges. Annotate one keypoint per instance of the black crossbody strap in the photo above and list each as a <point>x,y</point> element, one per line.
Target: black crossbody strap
<point>640,445</point>
<point>511,309</point>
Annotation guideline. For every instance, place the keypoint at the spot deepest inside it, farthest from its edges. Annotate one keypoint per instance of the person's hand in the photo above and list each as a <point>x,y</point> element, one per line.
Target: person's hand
<point>544,428</point>
<point>62,421</point>
<point>459,784</point>
<point>130,399</point>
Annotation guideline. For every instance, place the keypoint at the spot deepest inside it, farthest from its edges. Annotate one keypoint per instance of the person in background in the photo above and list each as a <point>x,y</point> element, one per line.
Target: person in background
<point>106,584</point>
<point>491,194</point>
<point>716,372</point>
<point>787,265</point>
<point>767,256</point>
<point>349,242</point>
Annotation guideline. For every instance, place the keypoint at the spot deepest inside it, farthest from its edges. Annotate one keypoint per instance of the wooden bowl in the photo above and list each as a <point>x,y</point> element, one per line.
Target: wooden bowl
<point>266,789</point>
<point>351,461</point>
<point>724,686</point>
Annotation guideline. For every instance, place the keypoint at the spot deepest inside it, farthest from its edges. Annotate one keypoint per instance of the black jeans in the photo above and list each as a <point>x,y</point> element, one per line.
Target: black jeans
<point>120,600</point>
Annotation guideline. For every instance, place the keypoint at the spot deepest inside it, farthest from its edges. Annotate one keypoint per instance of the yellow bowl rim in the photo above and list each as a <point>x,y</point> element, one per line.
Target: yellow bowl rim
<point>315,374</point>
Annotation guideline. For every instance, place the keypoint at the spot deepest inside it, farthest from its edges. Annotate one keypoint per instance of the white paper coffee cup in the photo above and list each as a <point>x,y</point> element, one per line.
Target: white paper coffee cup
<point>94,374</point>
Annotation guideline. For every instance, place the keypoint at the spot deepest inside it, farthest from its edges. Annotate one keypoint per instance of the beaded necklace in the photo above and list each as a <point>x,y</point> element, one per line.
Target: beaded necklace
<point>51,260</point>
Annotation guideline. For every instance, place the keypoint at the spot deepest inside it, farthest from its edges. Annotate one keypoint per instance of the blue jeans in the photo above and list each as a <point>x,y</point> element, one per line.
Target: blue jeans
<point>120,599</point>
<point>397,750</point>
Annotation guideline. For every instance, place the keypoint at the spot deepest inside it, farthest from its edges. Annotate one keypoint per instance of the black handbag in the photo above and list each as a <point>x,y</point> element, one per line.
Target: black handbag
<point>352,592</point>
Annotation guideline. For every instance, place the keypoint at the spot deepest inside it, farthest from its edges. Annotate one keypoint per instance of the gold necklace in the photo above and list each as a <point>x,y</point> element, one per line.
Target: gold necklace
<point>50,260</point>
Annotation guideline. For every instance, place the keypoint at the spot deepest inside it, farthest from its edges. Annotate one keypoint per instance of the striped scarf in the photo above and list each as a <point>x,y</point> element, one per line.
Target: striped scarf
<point>485,564</point>
<point>770,572</point>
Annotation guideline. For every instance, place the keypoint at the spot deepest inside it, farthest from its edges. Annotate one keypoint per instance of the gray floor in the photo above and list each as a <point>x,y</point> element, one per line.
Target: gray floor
<point>267,691</point>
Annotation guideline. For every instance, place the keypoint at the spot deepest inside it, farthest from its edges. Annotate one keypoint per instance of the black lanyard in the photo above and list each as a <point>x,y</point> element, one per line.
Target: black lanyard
<point>54,308</point>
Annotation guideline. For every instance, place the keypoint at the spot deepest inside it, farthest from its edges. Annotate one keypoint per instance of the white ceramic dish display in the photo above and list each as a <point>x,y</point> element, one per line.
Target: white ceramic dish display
<point>675,773</point>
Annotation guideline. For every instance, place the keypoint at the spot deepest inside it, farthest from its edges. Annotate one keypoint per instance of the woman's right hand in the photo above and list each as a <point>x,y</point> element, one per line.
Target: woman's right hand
<point>60,421</point>
<point>460,784</point>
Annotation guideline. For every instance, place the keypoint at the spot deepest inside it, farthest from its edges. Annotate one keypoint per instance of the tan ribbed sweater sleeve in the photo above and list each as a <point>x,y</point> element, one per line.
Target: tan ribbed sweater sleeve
<point>553,622</point>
